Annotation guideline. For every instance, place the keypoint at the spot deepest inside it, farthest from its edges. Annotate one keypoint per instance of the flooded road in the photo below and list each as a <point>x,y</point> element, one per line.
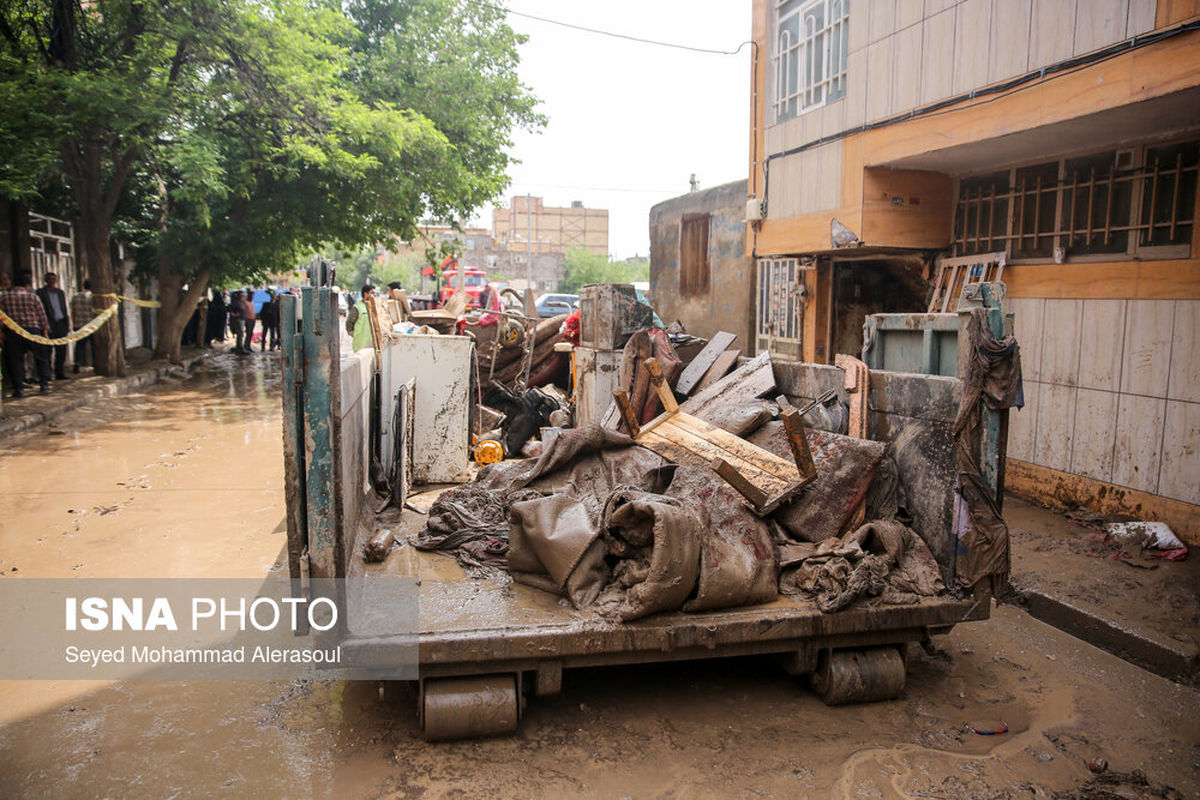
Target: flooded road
<point>186,480</point>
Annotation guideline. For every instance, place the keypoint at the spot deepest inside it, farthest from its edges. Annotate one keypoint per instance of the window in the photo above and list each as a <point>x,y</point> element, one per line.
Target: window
<point>1132,203</point>
<point>811,39</point>
<point>693,254</point>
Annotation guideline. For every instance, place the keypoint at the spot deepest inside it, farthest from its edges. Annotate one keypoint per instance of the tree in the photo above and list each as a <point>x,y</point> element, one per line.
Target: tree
<point>582,267</point>
<point>234,135</point>
<point>88,88</point>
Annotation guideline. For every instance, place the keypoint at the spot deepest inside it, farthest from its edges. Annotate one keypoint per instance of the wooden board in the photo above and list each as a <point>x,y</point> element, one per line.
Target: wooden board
<point>684,439</point>
<point>720,368</point>
<point>753,379</point>
<point>764,479</point>
<point>696,370</point>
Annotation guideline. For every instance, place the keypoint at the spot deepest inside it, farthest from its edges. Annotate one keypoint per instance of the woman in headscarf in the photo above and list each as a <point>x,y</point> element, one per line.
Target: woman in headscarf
<point>216,319</point>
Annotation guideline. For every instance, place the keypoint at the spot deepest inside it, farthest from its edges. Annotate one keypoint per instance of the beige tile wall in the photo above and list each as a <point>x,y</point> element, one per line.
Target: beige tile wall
<point>908,53</point>
<point>1112,391</point>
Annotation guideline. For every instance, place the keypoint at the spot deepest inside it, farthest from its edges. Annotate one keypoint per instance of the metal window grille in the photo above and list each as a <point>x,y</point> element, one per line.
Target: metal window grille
<point>779,310</point>
<point>812,37</point>
<point>1135,203</point>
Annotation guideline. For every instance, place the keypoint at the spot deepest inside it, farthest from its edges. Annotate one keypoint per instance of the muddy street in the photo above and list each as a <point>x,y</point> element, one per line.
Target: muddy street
<point>186,480</point>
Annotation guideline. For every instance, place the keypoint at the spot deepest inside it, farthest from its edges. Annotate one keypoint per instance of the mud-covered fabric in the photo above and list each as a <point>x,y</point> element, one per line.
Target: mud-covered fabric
<point>737,555</point>
<point>882,559</point>
<point>993,379</point>
<point>845,466</point>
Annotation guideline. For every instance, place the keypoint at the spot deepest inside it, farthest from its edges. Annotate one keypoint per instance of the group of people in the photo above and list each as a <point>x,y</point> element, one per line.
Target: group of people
<point>236,312</point>
<point>45,312</point>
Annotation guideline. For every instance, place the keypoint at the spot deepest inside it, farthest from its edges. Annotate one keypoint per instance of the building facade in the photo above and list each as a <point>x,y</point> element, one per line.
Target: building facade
<point>700,273</point>
<point>1057,138</point>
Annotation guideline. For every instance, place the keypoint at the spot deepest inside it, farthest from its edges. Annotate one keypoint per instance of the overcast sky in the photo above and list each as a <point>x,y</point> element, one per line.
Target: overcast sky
<point>629,122</point>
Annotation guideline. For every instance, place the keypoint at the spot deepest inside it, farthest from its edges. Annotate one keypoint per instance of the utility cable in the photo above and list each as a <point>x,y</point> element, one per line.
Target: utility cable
<point>613,34</point>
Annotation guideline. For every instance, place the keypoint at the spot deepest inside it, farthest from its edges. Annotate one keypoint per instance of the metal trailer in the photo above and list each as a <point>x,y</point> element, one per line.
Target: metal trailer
<point>484,648</point>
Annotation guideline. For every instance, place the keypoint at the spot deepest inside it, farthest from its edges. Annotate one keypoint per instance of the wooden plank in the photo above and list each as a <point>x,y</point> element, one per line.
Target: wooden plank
<point>798,441</point>
<point>626,410</point>
<point>738,481</point>
<point>694,371</point>
<point>738,449</point>
<point>719,369</point>
<point>684,447</point>
<point>665,395</point>
<point>753,379</point>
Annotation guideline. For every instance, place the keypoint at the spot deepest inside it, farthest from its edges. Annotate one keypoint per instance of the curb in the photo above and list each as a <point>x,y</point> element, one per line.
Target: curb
<point>1181,665</point>
<point>126,385</point>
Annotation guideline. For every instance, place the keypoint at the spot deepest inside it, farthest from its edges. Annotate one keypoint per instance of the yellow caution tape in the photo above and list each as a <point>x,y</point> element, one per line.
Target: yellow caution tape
<point>134,300</point>
<point>74,336</point>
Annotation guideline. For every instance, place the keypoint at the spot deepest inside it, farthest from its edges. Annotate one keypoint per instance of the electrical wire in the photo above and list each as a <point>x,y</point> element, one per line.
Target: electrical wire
<point>613,34</point>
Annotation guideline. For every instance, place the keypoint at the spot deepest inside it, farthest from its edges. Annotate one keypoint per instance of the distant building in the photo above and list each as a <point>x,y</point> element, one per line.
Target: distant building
<point>546,231</point>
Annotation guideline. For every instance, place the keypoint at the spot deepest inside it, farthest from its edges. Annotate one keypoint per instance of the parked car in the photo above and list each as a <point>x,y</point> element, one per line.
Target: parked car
<point>551,305</point>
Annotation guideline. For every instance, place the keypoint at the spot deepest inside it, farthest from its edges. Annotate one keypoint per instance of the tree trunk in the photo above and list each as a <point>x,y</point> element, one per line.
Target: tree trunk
<point>177,309</point>
<point>107,348</point>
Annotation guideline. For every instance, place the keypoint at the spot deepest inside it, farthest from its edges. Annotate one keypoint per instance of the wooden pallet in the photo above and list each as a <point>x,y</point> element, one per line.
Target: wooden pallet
<point>764,479</point>
<point>955,273</point>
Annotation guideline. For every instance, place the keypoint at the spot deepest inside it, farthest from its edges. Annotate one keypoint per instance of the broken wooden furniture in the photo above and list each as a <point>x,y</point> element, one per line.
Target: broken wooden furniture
<point>764,479</point>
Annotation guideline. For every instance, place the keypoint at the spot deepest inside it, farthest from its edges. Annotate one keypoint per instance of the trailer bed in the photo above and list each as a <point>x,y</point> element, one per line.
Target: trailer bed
<point>488,625</point>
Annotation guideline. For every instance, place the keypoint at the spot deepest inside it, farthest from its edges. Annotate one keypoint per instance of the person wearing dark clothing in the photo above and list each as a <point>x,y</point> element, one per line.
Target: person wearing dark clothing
<point>54,301</point>
<point>270,321</point>
<point>216,320</point>
<point>192,330</point>
<point>25,308</point>
<point>237,322</point>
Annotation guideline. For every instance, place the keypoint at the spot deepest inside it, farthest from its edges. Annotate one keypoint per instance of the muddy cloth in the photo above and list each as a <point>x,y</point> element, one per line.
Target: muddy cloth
<point>558,538</point>
<point>845,467</point>
<point>993,379</point>
<point>661,545</point>
<point>743,420</point>
<point>881,559</point>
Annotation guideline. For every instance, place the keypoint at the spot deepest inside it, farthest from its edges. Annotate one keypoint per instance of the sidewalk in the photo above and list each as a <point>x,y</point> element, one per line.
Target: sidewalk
<point>35,409</point>
<point>1067,574</point>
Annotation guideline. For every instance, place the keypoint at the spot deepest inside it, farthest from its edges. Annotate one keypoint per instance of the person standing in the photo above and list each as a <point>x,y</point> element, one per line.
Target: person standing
<point>217,319</point>
<point>81,314</point>
<point>270,321</point>
<point>54,301</point>
<point>249,317</point>
<point>25,308</point>
<point>358,324</point>
<point>237,322</point>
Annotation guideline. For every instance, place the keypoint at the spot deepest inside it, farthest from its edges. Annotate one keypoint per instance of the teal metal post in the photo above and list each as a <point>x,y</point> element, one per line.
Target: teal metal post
<point>994,446</point>
<point>322,432</point>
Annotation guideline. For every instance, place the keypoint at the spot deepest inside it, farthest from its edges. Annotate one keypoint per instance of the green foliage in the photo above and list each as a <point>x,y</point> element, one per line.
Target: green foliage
<point>231,138</point>
<point>582,267</point>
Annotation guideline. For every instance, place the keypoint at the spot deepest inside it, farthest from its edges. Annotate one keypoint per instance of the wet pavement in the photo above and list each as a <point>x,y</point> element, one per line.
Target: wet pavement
<point>186,480</point>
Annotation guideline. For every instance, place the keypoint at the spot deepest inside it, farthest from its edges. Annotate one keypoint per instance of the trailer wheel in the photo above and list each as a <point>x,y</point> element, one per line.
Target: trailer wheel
<point>859,676</point>
<point>467,708</point>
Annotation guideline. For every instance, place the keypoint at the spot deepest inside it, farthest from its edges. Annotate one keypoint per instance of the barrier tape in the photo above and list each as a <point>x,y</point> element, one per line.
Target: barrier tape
<point>134,300</point>
<point>74,336</point>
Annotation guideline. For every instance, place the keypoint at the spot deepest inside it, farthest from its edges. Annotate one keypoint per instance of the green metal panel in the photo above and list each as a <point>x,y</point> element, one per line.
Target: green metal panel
<point>995,423</point>
<point>322,432</point>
